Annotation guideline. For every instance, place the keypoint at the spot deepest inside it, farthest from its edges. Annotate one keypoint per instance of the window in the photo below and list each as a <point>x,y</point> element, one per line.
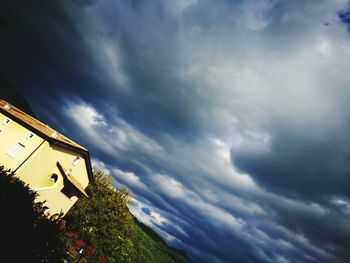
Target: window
<point>53,178</point>
<point>30,136</point>
<point>76,161</point>
<point>15,149</point>
<point>6,121</point>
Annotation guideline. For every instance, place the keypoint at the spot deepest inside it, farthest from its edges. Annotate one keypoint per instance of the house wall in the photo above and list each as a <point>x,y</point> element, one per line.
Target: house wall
<point>40,164</point>
<point>10,135</point>
<point>39,179</point>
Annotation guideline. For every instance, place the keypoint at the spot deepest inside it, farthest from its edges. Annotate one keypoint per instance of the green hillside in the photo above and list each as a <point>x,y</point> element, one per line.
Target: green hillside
<point>104,223</point>
<point>151,248</point>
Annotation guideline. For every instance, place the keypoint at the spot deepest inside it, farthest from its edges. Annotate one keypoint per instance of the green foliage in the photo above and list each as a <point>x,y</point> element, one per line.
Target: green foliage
<point>103,221</point>
<point>152,249</point>
<point>27,235</point>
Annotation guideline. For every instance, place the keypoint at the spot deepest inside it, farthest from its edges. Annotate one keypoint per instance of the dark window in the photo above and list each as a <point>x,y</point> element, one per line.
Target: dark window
<point>53,178</point>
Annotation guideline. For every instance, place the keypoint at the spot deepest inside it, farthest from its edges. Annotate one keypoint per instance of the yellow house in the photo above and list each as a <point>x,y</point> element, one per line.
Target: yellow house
<point>50,163</point>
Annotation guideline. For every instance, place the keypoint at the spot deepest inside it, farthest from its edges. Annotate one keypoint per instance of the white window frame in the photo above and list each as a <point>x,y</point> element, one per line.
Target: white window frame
<point>30,136</point>
<point>76,160</point>
<point>6,121</point>
<point>16,149</point>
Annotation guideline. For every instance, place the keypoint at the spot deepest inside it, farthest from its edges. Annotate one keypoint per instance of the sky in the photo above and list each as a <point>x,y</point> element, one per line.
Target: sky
<point>228,120</point>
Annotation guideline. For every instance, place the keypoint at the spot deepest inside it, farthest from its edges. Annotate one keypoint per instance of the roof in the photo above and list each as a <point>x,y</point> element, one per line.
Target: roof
<point>45,131</point>
<point>36,125</point>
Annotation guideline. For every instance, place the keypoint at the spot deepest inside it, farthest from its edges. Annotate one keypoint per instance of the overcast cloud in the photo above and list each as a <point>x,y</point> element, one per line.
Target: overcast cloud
<point>228,120</point>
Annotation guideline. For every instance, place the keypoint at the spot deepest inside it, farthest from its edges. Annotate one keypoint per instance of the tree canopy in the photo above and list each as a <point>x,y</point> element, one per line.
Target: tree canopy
<point>103,226</point>
<point>103,222</point>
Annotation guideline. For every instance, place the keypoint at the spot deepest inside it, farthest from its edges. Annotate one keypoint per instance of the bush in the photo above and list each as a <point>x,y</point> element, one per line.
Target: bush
<point>27,235</point>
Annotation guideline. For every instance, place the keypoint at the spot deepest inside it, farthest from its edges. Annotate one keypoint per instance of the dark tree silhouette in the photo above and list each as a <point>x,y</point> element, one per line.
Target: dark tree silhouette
<point>26,234</point>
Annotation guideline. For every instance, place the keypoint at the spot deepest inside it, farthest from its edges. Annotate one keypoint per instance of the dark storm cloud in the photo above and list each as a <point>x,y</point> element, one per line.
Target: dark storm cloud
<point>43,43</point>
<point>73,69</point>
<point>87,3</point>
<point>344,16</point>
<point>306,163</point>
<point>227,119</point>
<point>2,20</point>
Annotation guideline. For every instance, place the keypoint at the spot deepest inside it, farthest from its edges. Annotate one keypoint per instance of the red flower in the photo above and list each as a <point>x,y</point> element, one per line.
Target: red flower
<point>72,234</point>
<point>90,251</point>
<point>79,243</point>
<point>62,224</point>
<point>101,259</point>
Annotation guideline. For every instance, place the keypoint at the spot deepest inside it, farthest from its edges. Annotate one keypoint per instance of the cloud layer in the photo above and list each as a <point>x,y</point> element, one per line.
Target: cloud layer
<point>227,119</point>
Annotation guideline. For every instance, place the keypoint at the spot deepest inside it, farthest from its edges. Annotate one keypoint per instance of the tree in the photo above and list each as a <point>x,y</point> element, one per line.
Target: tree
<point>27,234</point>
<point>103,221</point>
